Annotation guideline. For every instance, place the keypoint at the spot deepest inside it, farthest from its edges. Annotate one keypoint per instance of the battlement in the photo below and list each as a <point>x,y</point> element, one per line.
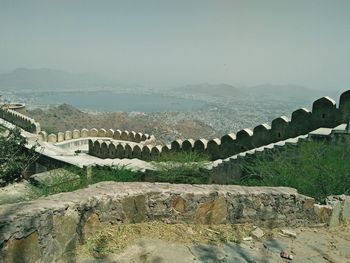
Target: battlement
<point>20,120</point>
<point>117,135</point>
<point>324,114</point>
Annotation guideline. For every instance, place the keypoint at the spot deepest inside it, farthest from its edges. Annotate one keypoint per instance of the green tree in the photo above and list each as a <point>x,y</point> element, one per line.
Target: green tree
<point>15,159</point>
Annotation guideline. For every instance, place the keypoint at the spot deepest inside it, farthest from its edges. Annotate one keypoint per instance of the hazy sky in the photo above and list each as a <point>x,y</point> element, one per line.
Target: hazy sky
<point>178,42</point>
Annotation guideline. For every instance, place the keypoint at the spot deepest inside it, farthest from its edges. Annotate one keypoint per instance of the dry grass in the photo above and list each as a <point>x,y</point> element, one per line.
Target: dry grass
<point>113,239</point>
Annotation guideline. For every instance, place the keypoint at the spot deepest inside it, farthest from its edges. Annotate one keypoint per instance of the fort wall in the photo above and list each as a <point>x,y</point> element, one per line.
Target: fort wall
<point>324,114</point>
<point>20,120</point>
<point>96,133</point>
<point>51,227</point>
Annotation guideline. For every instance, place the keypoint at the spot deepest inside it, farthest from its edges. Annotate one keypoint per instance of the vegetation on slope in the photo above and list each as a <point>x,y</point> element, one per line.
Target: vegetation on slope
<point>315,168</point>
<point>14,159</point>
<point>70,183</point>
<point>55,120</point>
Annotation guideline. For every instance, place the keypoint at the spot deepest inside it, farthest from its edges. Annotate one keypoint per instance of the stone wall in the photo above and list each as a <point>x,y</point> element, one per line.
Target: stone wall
<point>324,114</point>
<point>48,229</point>
<point>224,171</point>
<point>20,120</point>
<point>101,133</point>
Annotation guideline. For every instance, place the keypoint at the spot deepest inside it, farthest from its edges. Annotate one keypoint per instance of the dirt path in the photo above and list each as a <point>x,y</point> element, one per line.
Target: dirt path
<point>189,243</point>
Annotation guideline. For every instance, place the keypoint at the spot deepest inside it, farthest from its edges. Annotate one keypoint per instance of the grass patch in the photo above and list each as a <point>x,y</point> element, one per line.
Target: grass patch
<point>178,173</point>
<point>2,129</point>
<point>71,183</point>
<point>183,157</point>
<point>316,168</point>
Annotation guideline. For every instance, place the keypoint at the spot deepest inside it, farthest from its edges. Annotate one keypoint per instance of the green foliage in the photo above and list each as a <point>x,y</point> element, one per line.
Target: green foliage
<point>183,157</point>
<point>180,173</point>
<point>114,173</point>
<point>315,168</point>
<point>14,158</point>
<point>99,174</point>
<point>179,167</point>
<point>50,129</point>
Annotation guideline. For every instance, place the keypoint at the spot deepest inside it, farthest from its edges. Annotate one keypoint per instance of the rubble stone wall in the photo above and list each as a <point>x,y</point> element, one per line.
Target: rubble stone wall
<point>48,229</point>
<point>20,120</point>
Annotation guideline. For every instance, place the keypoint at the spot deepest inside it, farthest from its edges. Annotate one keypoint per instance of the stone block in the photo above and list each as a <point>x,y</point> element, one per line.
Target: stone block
<point>176,145</point>
<point>132,135</point>
<point>179,204</point>
<point>301,122</point>
<point>187,145</point>
<point>42,136</point>
<point>200,145</point>
<point>84,133</point>
<point>120,151</point>
<point>146,152</point>
<point>138,137</point>
<point>124,136</point>
<point>213,212</point>
<point>112,151</point>
<point>102,133</point>
<point>93,132</point>
<point>60,137</point>
<point>117,134</point>
<point>136,152</point>
<point>128,151</point>
<point>344,107</point>
<point>279,129</point>
<point>261,135</point>
<point>228,145</point>
<point>323,213</point>
<point>110,133</point>
<point>23,250</point>
<point>135,209</point>
<point>68,135</point>
<point>52,138</point>
<point>76,134</point>
<point>156,151</point>
<point>324,113</point>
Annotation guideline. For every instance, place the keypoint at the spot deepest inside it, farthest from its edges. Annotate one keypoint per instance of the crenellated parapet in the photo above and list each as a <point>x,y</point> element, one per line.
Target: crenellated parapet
<point>20,120</point>
<point>324,114</point>
<point>94,133</point>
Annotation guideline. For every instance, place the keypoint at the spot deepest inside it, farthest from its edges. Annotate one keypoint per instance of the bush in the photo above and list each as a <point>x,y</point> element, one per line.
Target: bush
<point>315,168</point>
<point>178,173</point>
<point>70,183</point>
<point>14,158</point>
<point>182,157</point>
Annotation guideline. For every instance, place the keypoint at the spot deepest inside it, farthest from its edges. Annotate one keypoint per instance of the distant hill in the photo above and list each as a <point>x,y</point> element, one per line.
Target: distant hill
<point>212,90</point>
<point>280,91</point>
<point>260,91</point>
<point>66,117</point>
<point>49,79</point>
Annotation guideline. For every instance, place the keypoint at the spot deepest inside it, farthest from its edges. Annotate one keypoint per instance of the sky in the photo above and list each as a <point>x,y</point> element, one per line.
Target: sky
<point>303,42</point>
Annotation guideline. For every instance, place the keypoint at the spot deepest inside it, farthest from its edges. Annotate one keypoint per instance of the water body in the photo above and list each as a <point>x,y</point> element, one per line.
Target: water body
<point>107,101</point>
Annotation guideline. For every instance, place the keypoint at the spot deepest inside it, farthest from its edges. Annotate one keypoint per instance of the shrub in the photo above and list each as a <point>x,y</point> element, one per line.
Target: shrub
<point>182,157</point>
<point>99,174</point>
<point>15,159</point>
<point>315,168</point>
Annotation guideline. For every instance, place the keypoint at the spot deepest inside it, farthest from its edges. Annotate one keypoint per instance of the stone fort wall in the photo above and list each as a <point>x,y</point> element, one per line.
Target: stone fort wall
<point>86,133</point>
<point>324,113</point>
<point>20,120</point>
<point>49,229</point>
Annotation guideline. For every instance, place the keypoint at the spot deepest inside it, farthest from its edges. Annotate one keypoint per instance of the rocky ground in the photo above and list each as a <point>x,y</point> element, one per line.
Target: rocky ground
<point>142,243</point>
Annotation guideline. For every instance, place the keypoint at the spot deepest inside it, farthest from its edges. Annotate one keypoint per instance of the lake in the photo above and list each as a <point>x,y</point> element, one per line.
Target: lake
<point>108,101</point>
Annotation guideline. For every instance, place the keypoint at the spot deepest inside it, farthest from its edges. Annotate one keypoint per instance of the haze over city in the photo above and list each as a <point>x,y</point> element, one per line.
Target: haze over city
<point>174,43</point>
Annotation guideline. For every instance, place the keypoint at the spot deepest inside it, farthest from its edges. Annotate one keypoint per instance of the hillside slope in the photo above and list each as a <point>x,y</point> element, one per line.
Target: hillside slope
<point>66,117</point>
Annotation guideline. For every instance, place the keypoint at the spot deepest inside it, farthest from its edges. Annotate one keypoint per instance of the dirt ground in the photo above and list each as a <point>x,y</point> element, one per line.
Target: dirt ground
<point>160,242</point>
